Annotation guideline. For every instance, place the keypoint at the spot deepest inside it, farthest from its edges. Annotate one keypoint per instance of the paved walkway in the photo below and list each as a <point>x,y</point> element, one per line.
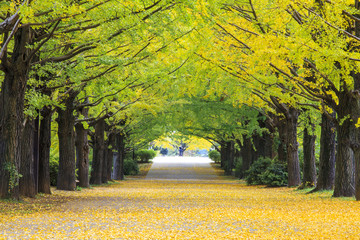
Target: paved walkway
<point>181,168</point>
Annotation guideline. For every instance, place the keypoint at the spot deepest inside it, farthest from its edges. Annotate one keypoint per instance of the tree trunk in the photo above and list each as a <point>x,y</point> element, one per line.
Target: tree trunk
<point>66,121</point>
<point>326,176</point>
<point>246,154</point>
<point>11,113</point>
<point>309,170</point>
<point>292,147</point>
<point>36,136</point>
<point>82,152</point>
<point>98,153</point>
<point>44,150</point>
<point>110,156</point>
<point>109,159</point>
<point>119,163</point>
<point>344,167</point>
<point>27,186</point>
<point>223,154</point>
<point>230,153</point>
<point>356,115</point>
<point>281,150</point>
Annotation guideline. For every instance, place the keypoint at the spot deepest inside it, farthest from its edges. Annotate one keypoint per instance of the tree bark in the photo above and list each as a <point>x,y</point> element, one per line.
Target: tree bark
<point>292,147</point>
<point>326,177</point>
<point>223,154</point>
<point>230,153</point>
<point>66,121</point>
<point>309,169</point>
<point>281,150</point>
<point>246,154</point>
<point>344,166</point>
<point>44,150</point>
<point>82,152</point>
<point>356,115</point>
<point>98,153</point>
<point>11,113</point>
<point>119,163</point>
<point>27,186</point>
<point>110,156</point>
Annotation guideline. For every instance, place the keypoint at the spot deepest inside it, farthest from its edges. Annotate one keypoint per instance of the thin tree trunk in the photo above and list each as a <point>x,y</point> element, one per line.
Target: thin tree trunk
<point>119,163</point>
<point>36,149</point>
<point>309,170</point>
<point>82,152</point>
<point>98,153</point>
<point>104,166</point>
<point>110,156</point>
<point>230,152</point>
<point>281,150</point>
<point>246,153</point>
<point>44,150</point>
<point>223,154</point>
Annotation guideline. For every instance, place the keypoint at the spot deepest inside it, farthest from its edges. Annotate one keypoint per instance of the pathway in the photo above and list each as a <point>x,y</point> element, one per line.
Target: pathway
<point>181,198</point>
<point>181,168</point>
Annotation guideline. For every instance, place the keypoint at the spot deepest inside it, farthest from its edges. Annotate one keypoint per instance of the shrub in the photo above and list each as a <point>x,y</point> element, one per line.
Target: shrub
<point>54,168</point>
<point>215,156</point>
<point>145,155</point>
<point>275,175</point>
<point>256,169</point>
<point>265,171</point>
<point>130,167</point>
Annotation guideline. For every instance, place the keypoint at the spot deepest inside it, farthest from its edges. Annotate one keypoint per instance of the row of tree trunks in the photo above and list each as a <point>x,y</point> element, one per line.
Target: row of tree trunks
<point>259,145</point>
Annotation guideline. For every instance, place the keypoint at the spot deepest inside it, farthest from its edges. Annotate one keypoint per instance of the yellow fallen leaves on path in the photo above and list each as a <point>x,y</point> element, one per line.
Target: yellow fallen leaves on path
<point>151,209</point>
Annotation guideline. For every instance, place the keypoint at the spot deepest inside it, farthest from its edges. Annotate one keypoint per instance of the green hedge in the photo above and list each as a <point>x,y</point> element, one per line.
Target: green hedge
<point>214,155</point>
<point>265,171</point>
<point>130,167</point>
<point>145,155</point>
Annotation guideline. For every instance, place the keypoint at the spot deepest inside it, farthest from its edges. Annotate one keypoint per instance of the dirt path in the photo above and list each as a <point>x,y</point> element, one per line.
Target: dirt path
<point>203,207</point>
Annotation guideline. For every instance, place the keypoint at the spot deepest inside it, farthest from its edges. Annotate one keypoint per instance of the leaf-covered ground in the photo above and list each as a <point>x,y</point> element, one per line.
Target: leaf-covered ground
<point>193,209</point>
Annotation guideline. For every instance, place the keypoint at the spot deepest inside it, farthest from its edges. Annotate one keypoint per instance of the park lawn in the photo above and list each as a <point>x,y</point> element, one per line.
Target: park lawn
<point>144,209</point>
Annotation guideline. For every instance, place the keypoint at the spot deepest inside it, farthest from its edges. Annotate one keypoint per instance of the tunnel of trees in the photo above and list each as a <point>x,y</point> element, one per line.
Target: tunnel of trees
<point>86,82</point>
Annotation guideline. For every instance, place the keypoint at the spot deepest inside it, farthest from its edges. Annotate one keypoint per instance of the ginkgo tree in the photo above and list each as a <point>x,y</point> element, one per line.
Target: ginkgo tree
<point>298,54</point>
